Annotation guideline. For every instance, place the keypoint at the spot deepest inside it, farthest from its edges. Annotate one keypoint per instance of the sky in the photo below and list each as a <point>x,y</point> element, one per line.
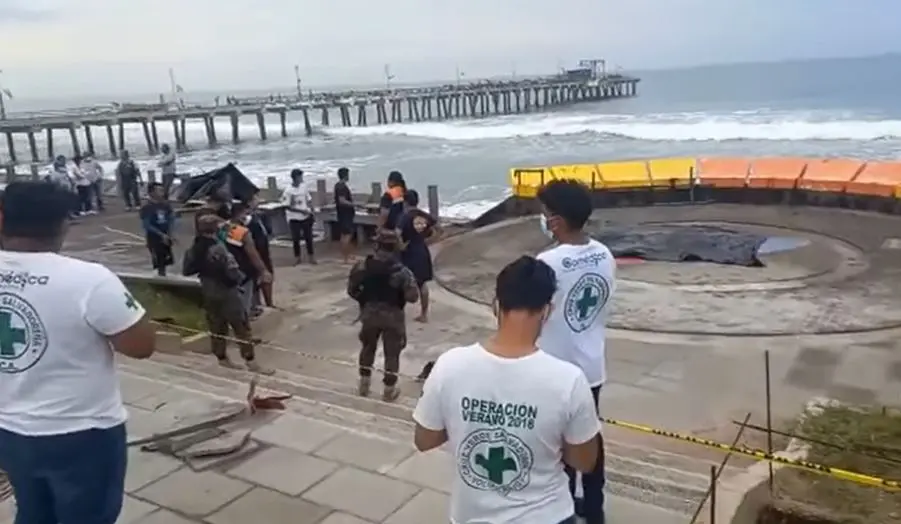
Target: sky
<point>64,48</point>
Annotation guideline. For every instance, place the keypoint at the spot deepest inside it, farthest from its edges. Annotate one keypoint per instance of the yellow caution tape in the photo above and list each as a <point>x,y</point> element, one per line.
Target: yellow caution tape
<point>842,474</point>
<point>759,454</point>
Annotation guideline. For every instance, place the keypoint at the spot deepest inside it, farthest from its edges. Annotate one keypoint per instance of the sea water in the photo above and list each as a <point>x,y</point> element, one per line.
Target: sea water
<point>802,108</point>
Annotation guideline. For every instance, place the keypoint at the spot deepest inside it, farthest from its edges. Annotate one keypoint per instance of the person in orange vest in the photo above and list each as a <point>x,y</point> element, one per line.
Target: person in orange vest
<point>240,243</point>
<point>391,205</point>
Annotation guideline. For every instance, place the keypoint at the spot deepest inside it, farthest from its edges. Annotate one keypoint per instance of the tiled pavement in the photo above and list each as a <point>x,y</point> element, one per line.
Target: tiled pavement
<point>299,470</point>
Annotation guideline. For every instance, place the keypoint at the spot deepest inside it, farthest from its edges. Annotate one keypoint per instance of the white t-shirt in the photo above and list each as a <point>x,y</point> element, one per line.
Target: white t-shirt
<point>577,328</point>
<point>297,201</point>
<point>57,373</point>
<point>506,420</point>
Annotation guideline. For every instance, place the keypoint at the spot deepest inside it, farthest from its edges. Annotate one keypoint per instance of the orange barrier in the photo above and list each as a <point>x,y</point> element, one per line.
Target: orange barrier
<point>724,172</point>
<point>831,174</point>
<point>838,175</point>
<point>877,179</point>
<point>776,173</point>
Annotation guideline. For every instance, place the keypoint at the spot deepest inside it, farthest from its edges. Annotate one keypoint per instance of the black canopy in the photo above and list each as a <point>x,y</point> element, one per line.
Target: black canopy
<point>227,179</point>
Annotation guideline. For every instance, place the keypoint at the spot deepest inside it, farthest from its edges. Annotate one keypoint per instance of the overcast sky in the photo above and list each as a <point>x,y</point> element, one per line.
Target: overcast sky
<point>58,48</point>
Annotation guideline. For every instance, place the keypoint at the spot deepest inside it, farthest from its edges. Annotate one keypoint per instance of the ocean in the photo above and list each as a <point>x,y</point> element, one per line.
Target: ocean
<point>822,108</point>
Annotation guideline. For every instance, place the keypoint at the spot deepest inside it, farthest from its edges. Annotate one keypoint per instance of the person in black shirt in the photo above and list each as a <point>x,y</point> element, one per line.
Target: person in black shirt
<point>416,228</point>
<point>257,223</point>
<point>158,220</point>
<point>391,205</point>
<point>344,211</point>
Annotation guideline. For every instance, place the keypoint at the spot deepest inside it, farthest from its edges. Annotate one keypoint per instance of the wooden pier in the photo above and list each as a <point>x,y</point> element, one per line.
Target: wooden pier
<point>352,108</point>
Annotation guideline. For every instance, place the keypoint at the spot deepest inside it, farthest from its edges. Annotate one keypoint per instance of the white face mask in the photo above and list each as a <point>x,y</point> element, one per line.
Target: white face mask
<point>247,219</point>
<point>544,227</point>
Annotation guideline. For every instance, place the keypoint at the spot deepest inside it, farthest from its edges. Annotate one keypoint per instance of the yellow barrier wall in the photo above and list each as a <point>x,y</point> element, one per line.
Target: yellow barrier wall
<point>666,171</point>
<point>586,173</point>
<point>624,174</point>
<point>833,175</point>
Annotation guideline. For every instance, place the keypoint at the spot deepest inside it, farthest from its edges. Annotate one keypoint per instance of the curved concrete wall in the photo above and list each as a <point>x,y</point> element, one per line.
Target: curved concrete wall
<point>839,175</point>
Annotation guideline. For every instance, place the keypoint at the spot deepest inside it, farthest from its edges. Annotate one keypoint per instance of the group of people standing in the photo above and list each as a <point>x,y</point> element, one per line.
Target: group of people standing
<point>84,177</point>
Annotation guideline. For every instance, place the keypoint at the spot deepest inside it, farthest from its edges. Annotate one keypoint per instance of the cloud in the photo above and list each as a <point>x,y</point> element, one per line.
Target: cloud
<point>11,13</point>
<point>115,46</point>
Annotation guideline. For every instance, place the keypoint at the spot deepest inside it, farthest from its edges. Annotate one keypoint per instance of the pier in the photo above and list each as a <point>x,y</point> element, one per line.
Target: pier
<point>345,109</point>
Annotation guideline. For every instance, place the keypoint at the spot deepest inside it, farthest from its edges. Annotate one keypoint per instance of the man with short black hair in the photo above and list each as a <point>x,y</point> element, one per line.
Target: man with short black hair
<point>576,329</point>
<point>512,414</point>
<point>62,421</point>
<point>128,175</point>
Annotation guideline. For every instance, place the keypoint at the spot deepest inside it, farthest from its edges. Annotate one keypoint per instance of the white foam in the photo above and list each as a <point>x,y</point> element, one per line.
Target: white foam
<point>739,125</point>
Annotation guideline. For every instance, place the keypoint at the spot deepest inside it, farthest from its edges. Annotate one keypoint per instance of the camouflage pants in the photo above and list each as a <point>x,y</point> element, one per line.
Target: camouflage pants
<point>388,324</point>
<point>228,312</point>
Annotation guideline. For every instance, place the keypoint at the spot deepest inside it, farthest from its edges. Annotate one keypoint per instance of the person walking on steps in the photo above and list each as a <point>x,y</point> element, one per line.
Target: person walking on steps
<point>298,202</point>
<point>128,175</point>
<point>383,287</point>
<point>220,278</point>
<point>66,322</point>
<point>158,221</point>
<point>576,330</point>
<point>512,415</point>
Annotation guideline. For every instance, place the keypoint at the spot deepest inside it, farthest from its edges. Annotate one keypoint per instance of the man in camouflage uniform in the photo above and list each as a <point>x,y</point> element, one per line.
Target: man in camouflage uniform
<point>220,277</point>
<point>382,286</point>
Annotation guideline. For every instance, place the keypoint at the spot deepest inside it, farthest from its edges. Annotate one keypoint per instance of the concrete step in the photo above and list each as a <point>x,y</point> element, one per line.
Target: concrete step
<point>673,482</point>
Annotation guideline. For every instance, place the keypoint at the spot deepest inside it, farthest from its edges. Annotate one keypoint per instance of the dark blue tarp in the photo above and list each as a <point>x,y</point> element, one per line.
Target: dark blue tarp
<point>683,243</point>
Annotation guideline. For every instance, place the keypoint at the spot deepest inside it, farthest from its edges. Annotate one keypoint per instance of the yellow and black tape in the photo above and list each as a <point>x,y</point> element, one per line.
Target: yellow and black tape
<point>838,473</point>
<point>759,454</point>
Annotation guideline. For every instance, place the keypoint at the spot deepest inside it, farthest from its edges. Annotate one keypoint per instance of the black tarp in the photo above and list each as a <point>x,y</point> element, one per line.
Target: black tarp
<point>228,178</point>
<point>683,243</point>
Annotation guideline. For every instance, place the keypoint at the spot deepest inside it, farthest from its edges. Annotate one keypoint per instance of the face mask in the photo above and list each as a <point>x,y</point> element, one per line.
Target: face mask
<point>246,220</point>
<point>544,227</point>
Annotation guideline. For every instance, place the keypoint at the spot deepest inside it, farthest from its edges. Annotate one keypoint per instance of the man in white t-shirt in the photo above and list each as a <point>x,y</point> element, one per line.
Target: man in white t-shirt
<point>298,201</point>
<point>512,415</point>
<point>576,329</point>
<point>62,421</point>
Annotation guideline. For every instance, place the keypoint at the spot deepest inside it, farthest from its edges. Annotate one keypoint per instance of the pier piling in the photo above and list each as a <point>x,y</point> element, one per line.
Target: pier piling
<point>354,108</point>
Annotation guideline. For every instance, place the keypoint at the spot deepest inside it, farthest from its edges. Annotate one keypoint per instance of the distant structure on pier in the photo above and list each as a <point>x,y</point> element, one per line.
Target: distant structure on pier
<point>589,83</point>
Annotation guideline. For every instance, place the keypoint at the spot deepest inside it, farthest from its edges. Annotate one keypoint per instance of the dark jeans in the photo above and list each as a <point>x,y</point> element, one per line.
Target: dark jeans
<point>168,179</point>
<point>131,193</point>
<point>301,229</point>
<point>84,198</point>
<point>75,478</point>
<point>97,193</point>
<point>592,505</point>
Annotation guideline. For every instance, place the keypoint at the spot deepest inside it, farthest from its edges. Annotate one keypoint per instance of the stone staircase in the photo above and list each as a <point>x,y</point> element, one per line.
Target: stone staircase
<point>671,476</point>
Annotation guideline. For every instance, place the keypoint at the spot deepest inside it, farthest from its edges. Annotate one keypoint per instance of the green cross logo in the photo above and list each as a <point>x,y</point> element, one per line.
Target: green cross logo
<point>9,335</point>
<point>130,301</point>
<point>496,463</point>
<point>589,299</point>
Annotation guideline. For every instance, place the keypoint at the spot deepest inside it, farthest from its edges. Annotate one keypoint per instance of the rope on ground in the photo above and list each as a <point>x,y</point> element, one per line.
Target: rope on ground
<point>812,467</point>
